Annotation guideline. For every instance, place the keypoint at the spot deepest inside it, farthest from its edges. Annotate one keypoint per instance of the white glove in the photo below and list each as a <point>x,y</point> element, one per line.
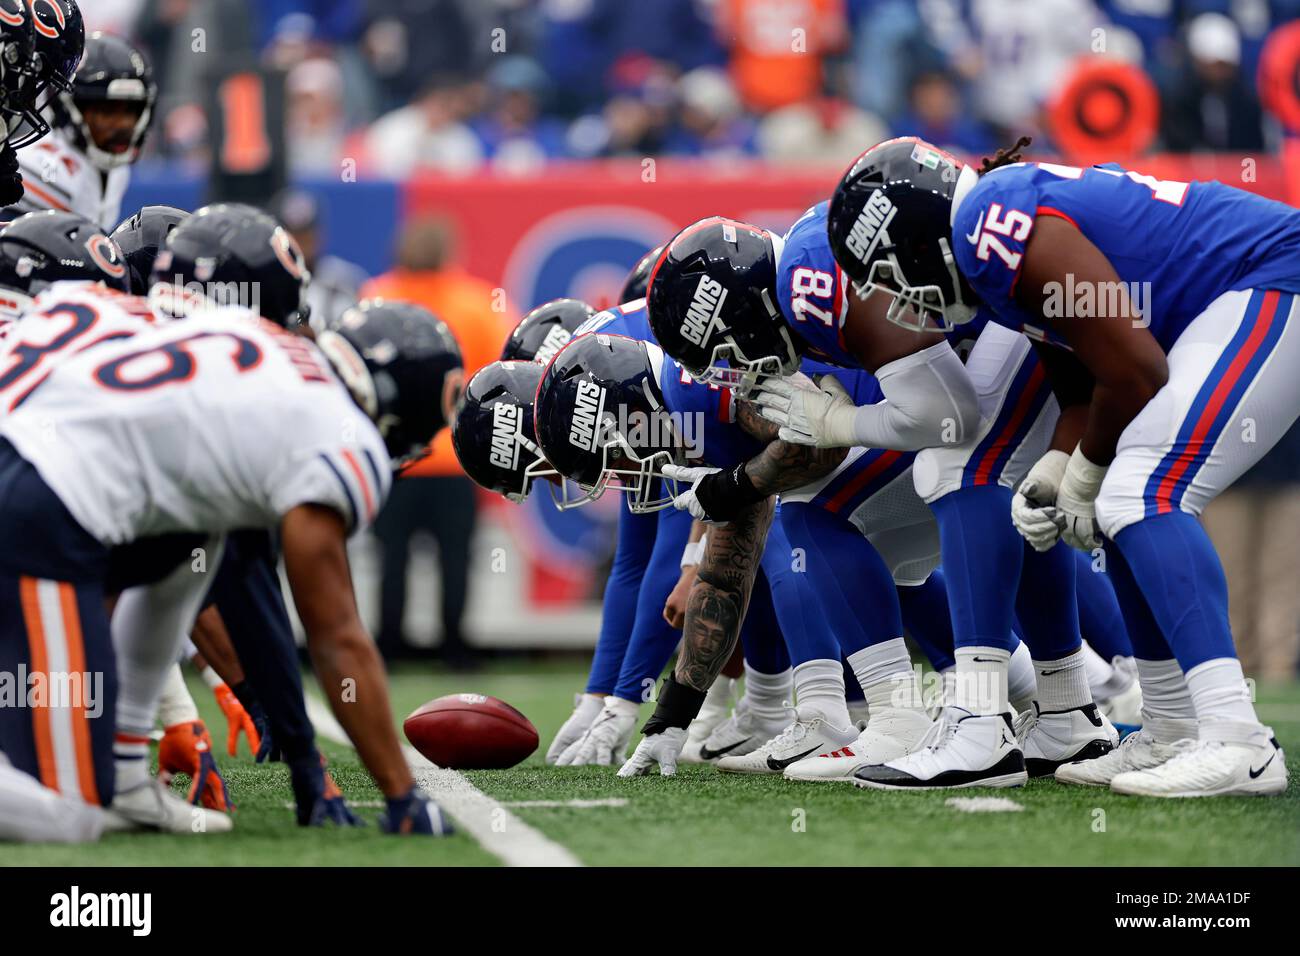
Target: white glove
<point>608,735</point>
<point>1033,506</point>
<point>822,415</point>
<point>1076,502</point>
<point>687,501</point>
<point>586,707</point>
<point>662,749</point>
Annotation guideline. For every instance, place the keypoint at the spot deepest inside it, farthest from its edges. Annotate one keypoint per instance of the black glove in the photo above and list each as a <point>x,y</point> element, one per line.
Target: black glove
<point>11,180</point>
<point>725,494</point>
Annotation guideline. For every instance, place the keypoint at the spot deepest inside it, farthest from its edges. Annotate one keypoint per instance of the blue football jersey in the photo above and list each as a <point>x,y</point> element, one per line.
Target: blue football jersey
<point>1176,246</point>
<point>813,292</point>
<point>630,319</point>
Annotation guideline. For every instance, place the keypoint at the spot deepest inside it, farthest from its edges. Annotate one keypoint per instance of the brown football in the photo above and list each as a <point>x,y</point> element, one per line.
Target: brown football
<point>471,732</point>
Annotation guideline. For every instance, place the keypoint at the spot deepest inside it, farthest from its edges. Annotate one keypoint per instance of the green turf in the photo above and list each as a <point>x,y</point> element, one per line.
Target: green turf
<point>703,817</point>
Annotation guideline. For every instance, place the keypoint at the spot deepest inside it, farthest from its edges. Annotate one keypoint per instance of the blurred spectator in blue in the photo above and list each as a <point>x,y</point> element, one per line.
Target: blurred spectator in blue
<point>713,123</point>
<point>332,22</point>
<point>671,31</point>
<point>887,37</point>
<point>514,133</point>
<point>335,283</point>
<point>429,134</point>
<point>638,119</point>
<point>937,115</point>
<point>1213,106</point>
<point>1254,20</point>
<point>574,50</point>
<point>1155,24</point>
<point>407,41</point>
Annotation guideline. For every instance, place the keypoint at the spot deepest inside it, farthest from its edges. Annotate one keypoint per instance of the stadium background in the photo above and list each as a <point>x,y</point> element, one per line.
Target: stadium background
<point>554,142</point>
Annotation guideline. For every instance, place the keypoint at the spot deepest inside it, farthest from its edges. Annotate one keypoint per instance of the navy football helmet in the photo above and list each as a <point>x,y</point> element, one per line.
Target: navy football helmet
<point>140,238</point>
<point>231,254</point>
<point>41,248</point>
<point>600,417</point>
<point>545,330</point>
<point>403,367</point>
<point>40,53</point>
<point>713,306</point>
<point>493,433</point>
<point>634,287</point>
<point>111,71</point>
<point>890,224</point>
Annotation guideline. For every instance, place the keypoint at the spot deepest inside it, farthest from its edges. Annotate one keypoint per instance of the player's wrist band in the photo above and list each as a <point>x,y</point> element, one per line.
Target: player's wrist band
<point>693,553</point>
<point>678,705</point>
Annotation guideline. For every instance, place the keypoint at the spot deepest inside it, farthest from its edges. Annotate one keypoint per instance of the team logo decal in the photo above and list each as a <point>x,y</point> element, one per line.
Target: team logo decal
<point>105,255</point>
<point>11,18</point>
<point>287,251</point>
<point>704,314</point>
<point>42,27</point>
<point>871,226</point>
<point>588,408</point>
<point>506,419</point>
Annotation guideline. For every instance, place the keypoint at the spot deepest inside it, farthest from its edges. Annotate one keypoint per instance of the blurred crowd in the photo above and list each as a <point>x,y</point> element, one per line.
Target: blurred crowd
<point>454,85</point>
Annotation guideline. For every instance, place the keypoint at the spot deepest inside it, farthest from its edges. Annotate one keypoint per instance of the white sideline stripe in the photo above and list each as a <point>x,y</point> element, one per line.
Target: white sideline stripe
<point>573,804</point>
<point>983,804</point>
<point>496,829</point>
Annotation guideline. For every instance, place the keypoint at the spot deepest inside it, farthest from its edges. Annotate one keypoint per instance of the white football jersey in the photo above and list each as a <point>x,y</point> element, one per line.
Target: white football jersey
<point>57,175</point>
<point>208,424</point>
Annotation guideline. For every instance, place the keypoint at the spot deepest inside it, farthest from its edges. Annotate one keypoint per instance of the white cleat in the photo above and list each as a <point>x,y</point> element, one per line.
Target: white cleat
<point>893,732</point>
<point>151,806</point>
<point>1211,768</point>
<point>1124,707</point>
<point>741,733</point>
<point>716,710</point>
<point>961,750</point>
<point>1137,751</point>
<point>805,737</point>
<point>1051,739</point>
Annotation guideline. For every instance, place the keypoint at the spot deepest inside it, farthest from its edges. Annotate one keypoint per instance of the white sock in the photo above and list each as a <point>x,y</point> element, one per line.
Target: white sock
<point>768,696</point>
<point>32,813</point>
<point>1022,686</point>
<point>1167,710</point>
<point>981,680</point>
<point>859,712</point>
<point>947,688</point>
<point>1221,699</point>
<point>1062,683</point>
<point>176,705</point>
<point>887,676</point>
<point>720,693</point>
<point>819,688</point>
<point>1101,675</point>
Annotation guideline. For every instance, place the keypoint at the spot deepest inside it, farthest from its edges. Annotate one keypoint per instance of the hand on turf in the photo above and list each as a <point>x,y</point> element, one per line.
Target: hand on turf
<point>414,814</point>
<point>238,721</point>
<point>606,739</point>
<point>822,415</point>
<point>585,710</point>
<point>318,798</point>
<point>658,749</point>
<point>187,748</point>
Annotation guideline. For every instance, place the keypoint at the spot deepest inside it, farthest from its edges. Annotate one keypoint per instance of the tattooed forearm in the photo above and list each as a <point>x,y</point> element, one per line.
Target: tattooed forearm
<point>718,599</point>
<point>783,466</point>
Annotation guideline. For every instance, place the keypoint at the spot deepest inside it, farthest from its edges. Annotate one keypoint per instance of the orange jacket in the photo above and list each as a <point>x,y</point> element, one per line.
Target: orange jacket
<point>473,309</point>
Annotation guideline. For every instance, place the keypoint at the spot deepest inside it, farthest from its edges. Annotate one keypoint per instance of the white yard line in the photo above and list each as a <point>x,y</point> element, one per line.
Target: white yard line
<point>496,829</point>
<point>983,804</point>
<point>570,804</point>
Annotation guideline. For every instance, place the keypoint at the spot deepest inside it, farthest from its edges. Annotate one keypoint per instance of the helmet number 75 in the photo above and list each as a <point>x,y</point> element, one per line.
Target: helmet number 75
<point>1011,223</point>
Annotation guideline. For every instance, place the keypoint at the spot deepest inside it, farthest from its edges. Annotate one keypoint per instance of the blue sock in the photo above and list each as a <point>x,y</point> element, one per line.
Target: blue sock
<point>1178,572</point>
<point>760,635</point>
<point>847,575</point>
<point>1143,631</point>
<point>1100,619</point>
<point>982,555</point>
<point>636,541</point>
<point>928,619</point>
<point>1046,606</point>
<point>653,640</point>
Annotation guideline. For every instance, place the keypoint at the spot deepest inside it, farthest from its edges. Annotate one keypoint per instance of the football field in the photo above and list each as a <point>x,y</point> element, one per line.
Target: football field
<point>535,813</point>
